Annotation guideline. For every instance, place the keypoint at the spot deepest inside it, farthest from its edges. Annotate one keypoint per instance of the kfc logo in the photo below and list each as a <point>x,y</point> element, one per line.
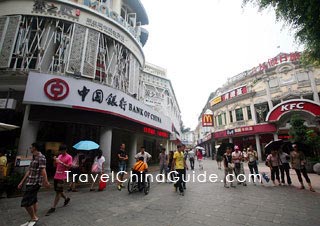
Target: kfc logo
<point>56,89</point>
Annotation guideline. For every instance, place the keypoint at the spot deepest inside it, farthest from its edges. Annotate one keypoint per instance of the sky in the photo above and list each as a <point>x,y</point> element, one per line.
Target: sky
<point>203,43</point>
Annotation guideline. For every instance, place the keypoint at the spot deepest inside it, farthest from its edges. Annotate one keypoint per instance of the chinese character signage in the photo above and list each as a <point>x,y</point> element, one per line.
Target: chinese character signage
<point>45,89</point>
<point>207,120</point>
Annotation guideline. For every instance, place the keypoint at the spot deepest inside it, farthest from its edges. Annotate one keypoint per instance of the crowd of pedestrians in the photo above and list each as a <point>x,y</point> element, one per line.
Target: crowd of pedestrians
<point>233,161</point>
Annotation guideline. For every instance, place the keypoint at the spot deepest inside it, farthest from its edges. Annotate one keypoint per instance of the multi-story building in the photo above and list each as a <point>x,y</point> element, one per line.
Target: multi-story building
<point>156,91</point>
<point>255,106</point>
<point>69,70</point>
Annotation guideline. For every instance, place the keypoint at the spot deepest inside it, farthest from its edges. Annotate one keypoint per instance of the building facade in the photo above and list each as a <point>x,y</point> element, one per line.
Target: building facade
<point>156,91</point>
<point>70,70</point>
<point>255,106</point>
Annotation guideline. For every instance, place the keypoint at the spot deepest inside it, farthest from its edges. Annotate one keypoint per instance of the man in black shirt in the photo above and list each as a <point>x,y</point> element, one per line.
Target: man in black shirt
<point>122,157</point>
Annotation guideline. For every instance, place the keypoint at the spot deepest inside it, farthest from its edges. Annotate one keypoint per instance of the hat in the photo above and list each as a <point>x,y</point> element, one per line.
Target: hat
<point>236,147</point>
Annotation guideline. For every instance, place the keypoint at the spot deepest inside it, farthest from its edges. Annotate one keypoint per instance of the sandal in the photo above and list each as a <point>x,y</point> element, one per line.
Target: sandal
<point>311,189</point>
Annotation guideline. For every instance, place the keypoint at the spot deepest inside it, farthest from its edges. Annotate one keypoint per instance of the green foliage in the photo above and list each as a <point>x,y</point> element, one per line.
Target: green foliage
<point>303,16</point>
<point>298,130</point>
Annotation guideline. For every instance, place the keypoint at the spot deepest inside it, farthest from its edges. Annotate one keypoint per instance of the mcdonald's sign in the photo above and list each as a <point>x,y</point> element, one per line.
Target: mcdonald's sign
<point>207,120</point>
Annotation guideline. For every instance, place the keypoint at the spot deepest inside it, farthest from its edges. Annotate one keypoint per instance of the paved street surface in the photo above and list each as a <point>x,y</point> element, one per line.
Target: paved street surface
<point>203,204</point>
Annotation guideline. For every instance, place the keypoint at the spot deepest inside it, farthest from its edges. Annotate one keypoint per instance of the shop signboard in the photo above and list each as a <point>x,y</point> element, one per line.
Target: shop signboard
<point>62,91</point>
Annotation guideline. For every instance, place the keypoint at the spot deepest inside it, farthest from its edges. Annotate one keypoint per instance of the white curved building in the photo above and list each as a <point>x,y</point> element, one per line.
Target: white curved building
<point>70,70</point>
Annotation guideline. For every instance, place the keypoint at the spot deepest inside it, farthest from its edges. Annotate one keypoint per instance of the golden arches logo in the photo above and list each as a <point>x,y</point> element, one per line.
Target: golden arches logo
<point>207,120</point>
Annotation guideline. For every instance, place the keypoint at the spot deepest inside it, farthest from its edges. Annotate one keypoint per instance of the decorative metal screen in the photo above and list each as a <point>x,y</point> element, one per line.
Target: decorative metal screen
<point>10,35</point>
<point>89,64</point>
<point>76,50</point>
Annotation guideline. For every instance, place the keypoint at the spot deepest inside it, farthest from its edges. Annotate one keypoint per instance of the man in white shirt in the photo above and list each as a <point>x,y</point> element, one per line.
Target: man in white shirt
<point>146,156</point>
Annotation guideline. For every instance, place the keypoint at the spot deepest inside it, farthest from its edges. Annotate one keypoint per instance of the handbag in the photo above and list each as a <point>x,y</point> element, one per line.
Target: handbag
<point>231,165</point>
<point>102,185</point>
<point>94,168</point>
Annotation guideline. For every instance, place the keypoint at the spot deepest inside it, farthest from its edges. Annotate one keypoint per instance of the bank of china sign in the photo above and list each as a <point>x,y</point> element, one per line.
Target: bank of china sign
<point>207,120</point>
<point>45,89</point>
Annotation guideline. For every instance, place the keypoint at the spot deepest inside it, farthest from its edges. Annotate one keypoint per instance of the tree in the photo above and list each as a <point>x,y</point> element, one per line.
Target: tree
<point>304,17</point>
<point>298,130</point>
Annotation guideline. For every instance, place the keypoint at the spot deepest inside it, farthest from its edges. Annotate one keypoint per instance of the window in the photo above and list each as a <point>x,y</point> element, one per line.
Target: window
<point>273,83</point>
<point>239,114</point>
<point>220,120</point>
<point>249,112</point>
<point>230,114</point>
<point>225,118</point>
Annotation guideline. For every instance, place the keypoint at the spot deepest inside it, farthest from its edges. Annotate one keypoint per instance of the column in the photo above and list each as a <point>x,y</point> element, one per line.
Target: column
<point>275,136</point>
<point>230,140</point>
<point>106,145</point>
<point>132,150</point>
<point>258,145</point>
<point>270,105</point>
<point>314,87</point>
<point>29,133</point>
<point>167,147</point>
<point>253,113</point>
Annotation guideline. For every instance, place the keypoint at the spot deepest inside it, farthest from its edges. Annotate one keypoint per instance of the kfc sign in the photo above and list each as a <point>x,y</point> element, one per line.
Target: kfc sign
<point>293,105</point>
<point>207,120</point>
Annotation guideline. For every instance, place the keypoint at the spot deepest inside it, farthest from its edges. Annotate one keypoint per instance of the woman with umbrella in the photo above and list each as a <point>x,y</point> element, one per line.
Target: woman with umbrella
<point>298,162</point>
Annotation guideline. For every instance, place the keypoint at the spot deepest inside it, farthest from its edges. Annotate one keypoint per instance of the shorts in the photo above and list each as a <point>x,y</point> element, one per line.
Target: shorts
<point>58,185</point>
<point>30,195</point>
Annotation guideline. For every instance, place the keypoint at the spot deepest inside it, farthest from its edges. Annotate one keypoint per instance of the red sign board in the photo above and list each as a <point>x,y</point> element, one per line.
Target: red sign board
<point>207,120</point>
<point>155,132</point>
<point>293,105</point>
<point>233,93</point>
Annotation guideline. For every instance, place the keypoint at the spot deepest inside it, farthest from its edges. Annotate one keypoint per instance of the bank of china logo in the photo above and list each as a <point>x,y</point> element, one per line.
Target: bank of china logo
<point>207,120</point>
<point>56,89</point>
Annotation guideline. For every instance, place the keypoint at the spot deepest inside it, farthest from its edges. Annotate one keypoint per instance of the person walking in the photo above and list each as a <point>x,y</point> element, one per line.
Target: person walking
<point>200,159</point>
<point>252,158</point>
<point>99,165</point>
<point>146,156</point>
<point>191,156</point>
<point>273,163</point>
<point>284,167</point>
<point>170,167</point>
<point>179,164</point>
<point>75,171</point>
<point>63,164</point>
<point>219,159</point>
<point>163,159</point>
<point>298,162</point>
<point>237,158</point>
<point>228,168</point>
<point>122,158</point>
<point>34,177</point>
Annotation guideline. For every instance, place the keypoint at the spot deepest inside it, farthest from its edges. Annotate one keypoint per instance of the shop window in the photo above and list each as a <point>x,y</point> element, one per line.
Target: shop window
<point>309,97</point>
<point>239,114</point>
<point>230,114</point>
<point>249,113</point>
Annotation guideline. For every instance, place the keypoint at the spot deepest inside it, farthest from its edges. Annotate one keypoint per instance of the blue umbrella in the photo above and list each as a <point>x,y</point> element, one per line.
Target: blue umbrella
<point>86,145</point>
